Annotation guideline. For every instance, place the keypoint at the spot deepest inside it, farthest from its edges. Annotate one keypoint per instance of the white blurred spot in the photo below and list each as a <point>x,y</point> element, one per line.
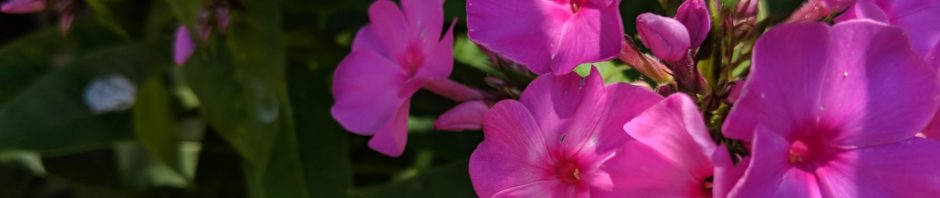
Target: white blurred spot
<point>110,93</point>
<point>265,102</point>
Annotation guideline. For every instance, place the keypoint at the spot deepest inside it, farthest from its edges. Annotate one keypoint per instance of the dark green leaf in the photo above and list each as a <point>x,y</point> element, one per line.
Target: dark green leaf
<point>445,181</point>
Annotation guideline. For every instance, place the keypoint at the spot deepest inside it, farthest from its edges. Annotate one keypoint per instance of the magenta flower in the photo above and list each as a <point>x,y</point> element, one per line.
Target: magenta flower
<point>567,137</point>
<point>917,17</point>
<point>393,56</point>
<point>22,6</point>
<point>666,37</point>
<point>547,36</point>
<point>183,46</point>
<point>832,112</point>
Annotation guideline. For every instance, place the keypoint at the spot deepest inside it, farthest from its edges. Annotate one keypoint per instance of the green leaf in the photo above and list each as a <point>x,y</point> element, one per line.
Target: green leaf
<point>154,125</point>
<point>466,52</point>
<point>611,71</point>
<point>445,181</point>
<point>324,145</point>
<point>240,85</point>
<point>186,11</point>
<point>107,17</point>
<point>53,114</point>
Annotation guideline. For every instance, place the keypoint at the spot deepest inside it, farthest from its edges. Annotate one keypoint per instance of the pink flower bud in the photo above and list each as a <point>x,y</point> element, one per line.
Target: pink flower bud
<point>222,18</point>
<point>694,15</point>
<point>23,6</point>
<point>183,46</point>
<point>666,37</point>
<point>465,116</point>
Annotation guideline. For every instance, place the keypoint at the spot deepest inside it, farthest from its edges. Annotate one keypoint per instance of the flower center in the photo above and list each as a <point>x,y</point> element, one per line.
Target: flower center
<point>412,59</point>
<point>568,172</point>
<point>809,154</point>
<point>576,5</point>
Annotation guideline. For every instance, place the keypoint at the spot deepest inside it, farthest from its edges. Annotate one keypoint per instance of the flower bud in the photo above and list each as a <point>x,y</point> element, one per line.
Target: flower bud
<point>465,116</point>
<point>694,15</point>
<point>183,46</point>
<point>666,37</point>
<point>23,6</point>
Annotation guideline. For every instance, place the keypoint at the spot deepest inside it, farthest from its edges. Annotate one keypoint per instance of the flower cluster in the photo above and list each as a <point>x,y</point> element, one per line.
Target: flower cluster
<point>841,109</point>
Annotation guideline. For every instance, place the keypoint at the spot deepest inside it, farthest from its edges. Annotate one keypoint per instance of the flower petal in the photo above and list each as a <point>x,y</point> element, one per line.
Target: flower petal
<point>547,188</point>
<point>495,24</point>
<point>183,46</point>
<point>675,129</point>
<point>863,9</point>
<point>785,81</point>
<point>666,37</point>
<point>639,171</point>
<point>591,35</point>
<point>727,174</point>
<point>694,15</point>
<point>391,28</point>
<point>903,169</point>
<point>567,108</point>
<point>624,103</point>
<point>426,16</point>
<point>513,151</point>
<point>919,19</point>
<point>768,165</point>
<point>366,89</point>
<point>878,90</point>
<point>391,138</point>
<point>465,116</point>
<point>22,6</point>
<point>440,62</point>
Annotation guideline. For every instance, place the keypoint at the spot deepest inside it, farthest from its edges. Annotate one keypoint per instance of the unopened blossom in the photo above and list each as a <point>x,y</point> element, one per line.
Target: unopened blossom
<point>666,37</point>
<point>833,112</point>
<point>574,137</point>
<point>647,65</point>
<point>695,17</point>
<point>183,45</point>
<point>465,116</point>
<point>22,6</point>
<point>547,36</point>
<point>392,57</point>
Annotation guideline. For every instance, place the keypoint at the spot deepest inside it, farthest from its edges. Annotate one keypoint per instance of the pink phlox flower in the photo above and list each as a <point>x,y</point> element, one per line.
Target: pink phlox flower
<point>392,57</point>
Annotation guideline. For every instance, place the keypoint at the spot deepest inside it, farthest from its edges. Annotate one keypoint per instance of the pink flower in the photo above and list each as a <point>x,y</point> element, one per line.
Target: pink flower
<point>547,35</point>
<point>814,10</point>
<point>917,17</point>
<point>694,16</point>
<point>393,56</point>
<point>832,112</point>
<point>22,6</point>
<point>666,37</point>
<point>183,45</point>
<point>567,137</point>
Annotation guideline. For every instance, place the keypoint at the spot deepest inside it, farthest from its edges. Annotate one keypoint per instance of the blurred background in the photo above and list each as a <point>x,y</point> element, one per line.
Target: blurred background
<point>98,108</point>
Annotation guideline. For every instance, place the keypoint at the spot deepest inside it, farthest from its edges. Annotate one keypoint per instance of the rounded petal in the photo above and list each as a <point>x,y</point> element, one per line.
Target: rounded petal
<point>391,138</point>
<point>567,107</point>
<point>547,188</point>
<point>366,89</point>
<point>639,171</point>
<point>465,116</point>
<point>694,15</point>
<point>675,129</point>
<point>624,103</point>
<point>426,16</point>
<point>390,27</point>
<point>918,18</point>
<point>666,37</point>
<point>877,90</point>
<point>591,35</point>
<point>496,25</point>
<point>513,151</point>
<point>903,169</point>
<point>785,81</point>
